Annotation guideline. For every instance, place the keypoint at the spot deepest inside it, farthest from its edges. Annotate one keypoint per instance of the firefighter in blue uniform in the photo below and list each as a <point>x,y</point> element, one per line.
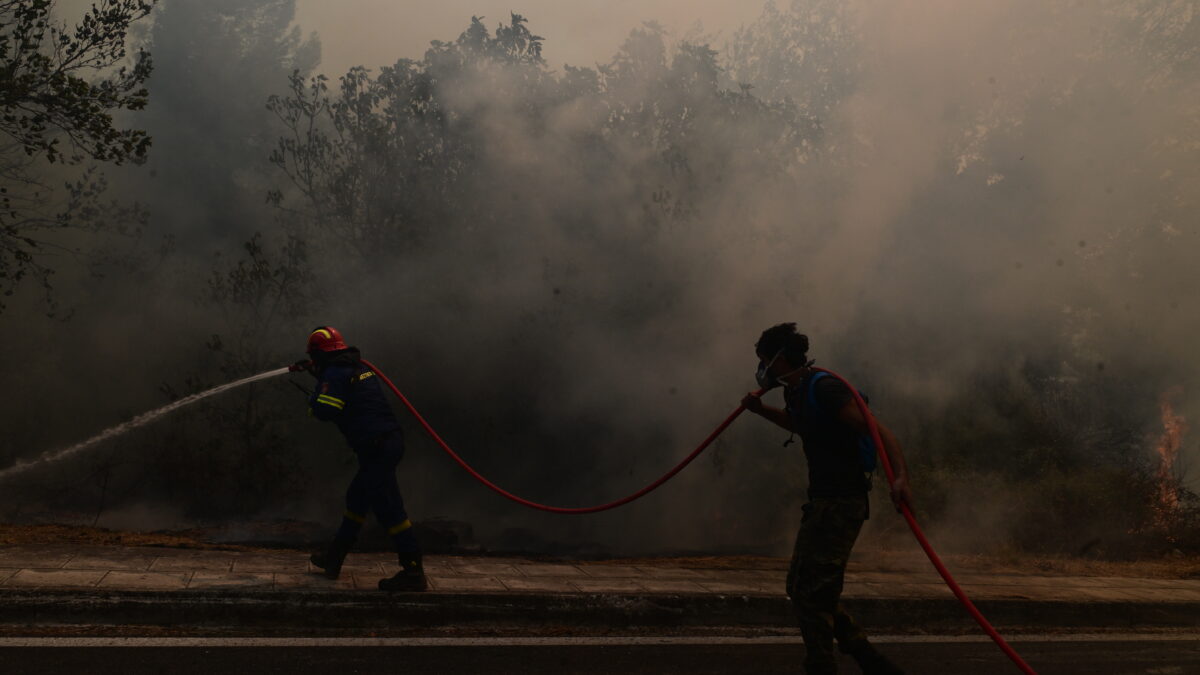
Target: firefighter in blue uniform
<point>348,394</point>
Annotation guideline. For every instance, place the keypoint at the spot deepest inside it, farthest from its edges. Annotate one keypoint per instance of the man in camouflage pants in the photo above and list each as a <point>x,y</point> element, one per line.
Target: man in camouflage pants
<point>822,410</point>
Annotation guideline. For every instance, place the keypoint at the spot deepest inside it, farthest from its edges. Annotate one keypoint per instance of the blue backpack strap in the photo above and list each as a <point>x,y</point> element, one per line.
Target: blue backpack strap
<point>866,453</point>
<point>812,390</point>
<point>866,447</point>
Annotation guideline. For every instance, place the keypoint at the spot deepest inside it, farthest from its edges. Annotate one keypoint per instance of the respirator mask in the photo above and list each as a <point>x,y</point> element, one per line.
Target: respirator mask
<point>764,379</point>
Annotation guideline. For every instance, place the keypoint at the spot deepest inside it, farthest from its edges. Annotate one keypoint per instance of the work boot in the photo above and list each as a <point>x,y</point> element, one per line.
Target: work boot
<point>331,560</point>
<point>410,578</point>
<point>871,661</point>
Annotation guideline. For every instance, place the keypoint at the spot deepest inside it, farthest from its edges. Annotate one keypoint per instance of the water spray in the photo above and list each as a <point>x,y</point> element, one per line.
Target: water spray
<point>140,420</point>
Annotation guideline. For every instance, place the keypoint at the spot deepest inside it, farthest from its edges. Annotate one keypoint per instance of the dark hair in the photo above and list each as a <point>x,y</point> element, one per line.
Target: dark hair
<point>783,336</point>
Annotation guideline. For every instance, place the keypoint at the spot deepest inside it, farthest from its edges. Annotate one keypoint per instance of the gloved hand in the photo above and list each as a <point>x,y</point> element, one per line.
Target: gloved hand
<point>305,365</point>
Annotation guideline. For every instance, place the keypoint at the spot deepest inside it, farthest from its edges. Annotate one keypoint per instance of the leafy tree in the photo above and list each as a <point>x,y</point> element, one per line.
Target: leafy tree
<point>216,62</point>
<point>58,83</point>
<point>378,163</point>
<point>386,162</point>
<point>240,457</point>
<point>45,90</point>
<point>36,214</point>
<point>808,51</point>
<point>256,296</point>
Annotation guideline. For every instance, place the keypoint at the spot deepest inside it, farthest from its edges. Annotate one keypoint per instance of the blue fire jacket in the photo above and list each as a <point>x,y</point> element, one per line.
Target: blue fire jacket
<point>348,394</point>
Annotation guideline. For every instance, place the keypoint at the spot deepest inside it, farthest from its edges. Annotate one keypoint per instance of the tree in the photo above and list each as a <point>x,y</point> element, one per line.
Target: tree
<point>379,162</point>
<point>809,51</point>
<point>44,90</point>
<point>35,215</point>
<point>240,456</point>
<point>58,83</point>
<point>425,148</point>
<point>216,62</point>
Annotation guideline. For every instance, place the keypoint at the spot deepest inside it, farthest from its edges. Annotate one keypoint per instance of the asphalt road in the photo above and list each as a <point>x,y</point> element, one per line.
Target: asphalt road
<point>1062,655</point>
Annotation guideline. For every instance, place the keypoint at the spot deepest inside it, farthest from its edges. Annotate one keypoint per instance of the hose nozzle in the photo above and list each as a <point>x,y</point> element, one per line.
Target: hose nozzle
<point>300,365</point>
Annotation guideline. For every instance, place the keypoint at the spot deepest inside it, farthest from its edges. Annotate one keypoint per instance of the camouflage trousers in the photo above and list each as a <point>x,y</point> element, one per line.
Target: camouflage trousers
<point>814,583</point>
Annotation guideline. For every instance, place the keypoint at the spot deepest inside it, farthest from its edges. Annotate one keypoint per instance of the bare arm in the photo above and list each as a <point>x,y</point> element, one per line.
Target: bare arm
<point>851,415</point>
<point>755,405</point>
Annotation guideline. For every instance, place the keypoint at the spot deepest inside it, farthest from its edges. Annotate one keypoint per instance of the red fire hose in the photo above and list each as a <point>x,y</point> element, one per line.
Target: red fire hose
<point>916,529</point>
<point>874,430</point>
<point>543,507</point>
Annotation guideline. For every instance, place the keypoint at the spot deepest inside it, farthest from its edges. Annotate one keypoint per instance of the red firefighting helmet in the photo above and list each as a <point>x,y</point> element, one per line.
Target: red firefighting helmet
<point>325,339</point>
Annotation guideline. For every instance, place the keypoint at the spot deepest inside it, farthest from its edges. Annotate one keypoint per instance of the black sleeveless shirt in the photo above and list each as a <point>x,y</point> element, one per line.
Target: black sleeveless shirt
<point>830,446</point>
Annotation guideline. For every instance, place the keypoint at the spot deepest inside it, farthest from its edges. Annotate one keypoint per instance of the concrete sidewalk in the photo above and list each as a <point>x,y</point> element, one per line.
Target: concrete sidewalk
<point>147,585</point>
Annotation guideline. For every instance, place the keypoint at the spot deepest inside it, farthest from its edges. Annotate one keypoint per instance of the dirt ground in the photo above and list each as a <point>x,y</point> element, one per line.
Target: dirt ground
<point>865,559</point>
<point>14,535</point>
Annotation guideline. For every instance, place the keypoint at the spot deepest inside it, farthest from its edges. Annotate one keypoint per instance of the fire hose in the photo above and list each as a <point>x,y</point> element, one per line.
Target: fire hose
<point>872,426</point>
<point>543,507</point>
<point>925,545</point>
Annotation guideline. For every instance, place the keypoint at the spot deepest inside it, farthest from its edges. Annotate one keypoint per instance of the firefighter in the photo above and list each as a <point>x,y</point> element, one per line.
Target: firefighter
<point>348,394</point>
<point>821,409</point>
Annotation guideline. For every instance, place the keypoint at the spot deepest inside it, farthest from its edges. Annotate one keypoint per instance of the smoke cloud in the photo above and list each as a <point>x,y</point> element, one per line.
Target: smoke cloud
<point>982,214</point>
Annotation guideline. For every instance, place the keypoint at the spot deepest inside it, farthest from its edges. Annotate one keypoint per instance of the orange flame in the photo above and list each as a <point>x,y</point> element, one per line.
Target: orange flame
<point>1174,426</point>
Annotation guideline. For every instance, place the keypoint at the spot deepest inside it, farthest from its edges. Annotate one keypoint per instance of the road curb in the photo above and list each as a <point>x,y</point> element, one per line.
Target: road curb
<point>326,609</point>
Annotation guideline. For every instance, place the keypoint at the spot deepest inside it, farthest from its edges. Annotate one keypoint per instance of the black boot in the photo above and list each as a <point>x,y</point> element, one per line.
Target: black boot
<point>410,578</point>
<point>331,560</point>
<point>873,662</point>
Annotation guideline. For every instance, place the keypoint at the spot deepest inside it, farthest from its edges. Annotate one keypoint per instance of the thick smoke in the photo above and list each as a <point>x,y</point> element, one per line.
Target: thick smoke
<point>983,215</point>
<point>377,32</point>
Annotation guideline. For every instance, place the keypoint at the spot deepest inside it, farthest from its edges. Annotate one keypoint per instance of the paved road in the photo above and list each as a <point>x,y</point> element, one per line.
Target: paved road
<point>1060,655</point>
<point>119,585</point>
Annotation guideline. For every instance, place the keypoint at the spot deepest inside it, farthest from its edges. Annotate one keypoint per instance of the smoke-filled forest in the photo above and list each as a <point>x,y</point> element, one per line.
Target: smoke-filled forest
<point>983,214</point>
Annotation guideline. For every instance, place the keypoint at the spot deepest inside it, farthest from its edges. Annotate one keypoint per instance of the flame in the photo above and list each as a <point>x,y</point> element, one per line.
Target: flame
<point>1174,426</point>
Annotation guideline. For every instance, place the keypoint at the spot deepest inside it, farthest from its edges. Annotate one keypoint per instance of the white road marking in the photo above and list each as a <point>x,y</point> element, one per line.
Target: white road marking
<point>556,641</point>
